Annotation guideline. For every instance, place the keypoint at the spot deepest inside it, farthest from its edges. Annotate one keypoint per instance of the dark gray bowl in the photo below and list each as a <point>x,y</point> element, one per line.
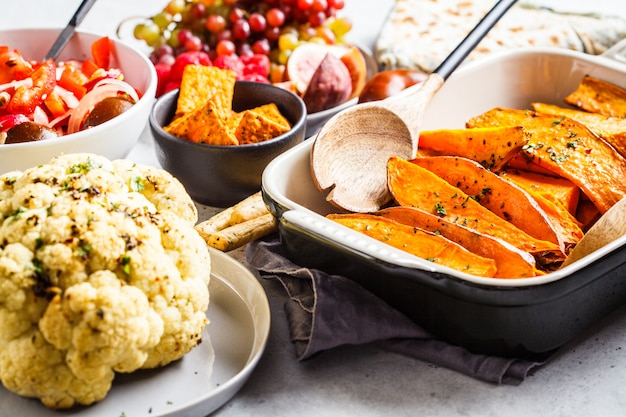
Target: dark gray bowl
<point>221,176</point>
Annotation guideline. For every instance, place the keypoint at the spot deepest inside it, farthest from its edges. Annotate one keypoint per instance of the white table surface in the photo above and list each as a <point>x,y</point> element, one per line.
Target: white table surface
<point>587,377</point>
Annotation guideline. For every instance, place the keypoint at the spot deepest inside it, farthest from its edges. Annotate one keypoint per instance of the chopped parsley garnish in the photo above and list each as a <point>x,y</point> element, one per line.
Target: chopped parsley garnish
<point>125,262</point>
<point>440,209</point>
<point>137,184</point>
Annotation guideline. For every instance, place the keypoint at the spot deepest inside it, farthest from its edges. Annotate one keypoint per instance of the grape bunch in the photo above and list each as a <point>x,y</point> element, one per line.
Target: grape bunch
<point>227,29</point>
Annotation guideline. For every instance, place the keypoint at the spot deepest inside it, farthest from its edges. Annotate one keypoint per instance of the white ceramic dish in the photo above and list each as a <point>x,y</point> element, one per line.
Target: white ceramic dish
<point>207,377</point>
<point>113,139</point>
<point>494,316</point>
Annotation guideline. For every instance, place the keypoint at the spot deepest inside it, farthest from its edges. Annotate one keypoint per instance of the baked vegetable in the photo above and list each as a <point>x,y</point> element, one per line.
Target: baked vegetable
<point>568,149</point>
<point>429,246</point>
<point>239,234</point>
<point>101,272</point>
<point>598,96</point>
<point>414,186</point>
<point>611,129</point>
<point>563,190</point>
<point>237,225</point>
<point>510,261</point>
<point>501,197</point>
<point>492,147</point>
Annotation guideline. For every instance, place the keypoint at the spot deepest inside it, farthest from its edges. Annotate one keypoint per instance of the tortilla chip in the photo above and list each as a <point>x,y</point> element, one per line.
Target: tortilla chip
<point>179,127</point>
<point>255,127</point>
<point>271,112</point>
<point>233,121</point>
<point>202,83</point>
<point>204,111</point>
<point>207,125</point>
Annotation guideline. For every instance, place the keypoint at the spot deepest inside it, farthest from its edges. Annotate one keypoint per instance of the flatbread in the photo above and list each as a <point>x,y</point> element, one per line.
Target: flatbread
<point>421,33</point>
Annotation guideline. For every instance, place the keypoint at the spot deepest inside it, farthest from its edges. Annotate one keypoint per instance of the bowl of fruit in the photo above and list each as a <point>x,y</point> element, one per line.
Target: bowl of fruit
<point>297,45</point>
<point>96,97</point>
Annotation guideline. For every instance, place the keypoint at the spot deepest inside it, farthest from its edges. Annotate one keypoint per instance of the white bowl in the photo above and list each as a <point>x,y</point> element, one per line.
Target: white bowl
<point>113,139</point>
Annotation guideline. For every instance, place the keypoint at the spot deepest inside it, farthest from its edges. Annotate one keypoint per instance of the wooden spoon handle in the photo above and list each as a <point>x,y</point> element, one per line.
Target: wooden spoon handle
<point>411,103</point>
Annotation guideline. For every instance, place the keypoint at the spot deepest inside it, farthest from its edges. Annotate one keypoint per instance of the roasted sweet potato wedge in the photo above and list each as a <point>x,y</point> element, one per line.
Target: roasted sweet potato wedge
<point>502,197</point>
<point>587,214</point>
<point>492,147</point>
<point>564,222</point>
<point>510,261</point>
<point>430,246</point>
<point>611,129</point>
<point>599,96</point>
<point>561,189</point>
<point>569,150</point>
<point>414,186</point>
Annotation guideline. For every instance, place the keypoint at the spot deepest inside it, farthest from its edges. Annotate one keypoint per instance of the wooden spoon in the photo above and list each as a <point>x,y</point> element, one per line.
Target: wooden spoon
<point>609,227</point>
<point>350,153</point>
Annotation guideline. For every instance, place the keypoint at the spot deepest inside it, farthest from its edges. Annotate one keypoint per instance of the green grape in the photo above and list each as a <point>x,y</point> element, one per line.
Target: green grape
<point>288,41</point>
<point>148,32</point>
<point>283,56</point>
<point>340,26</point>
<point>175,6</point>
<point>173,39</point>
<point>162,20</point>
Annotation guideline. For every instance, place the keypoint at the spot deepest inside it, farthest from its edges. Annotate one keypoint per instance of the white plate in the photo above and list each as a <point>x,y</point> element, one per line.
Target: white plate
<point>207,377</point>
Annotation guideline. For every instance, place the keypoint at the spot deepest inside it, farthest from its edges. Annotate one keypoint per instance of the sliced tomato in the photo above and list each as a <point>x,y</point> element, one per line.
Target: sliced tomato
<point>74,80</point>
<point>13,66</point>
<point>101,52</point>
<point>25,99</point>
<point>55,105</point>
<point>89,67</point>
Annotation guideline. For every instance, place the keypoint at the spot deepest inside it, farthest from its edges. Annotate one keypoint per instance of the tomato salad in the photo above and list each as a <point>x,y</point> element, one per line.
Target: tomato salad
<point>57,97</point>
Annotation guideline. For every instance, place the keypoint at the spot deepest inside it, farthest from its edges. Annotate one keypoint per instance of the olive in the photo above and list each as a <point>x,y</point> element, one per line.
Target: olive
<point>29,132</point>
<point>105,110</point>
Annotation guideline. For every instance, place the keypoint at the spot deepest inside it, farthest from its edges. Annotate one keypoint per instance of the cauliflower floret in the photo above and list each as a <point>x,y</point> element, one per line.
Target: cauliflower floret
<point>101,271</point>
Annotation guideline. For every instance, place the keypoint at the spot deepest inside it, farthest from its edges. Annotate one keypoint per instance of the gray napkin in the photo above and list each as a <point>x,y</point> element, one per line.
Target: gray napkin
<point>325,311</point>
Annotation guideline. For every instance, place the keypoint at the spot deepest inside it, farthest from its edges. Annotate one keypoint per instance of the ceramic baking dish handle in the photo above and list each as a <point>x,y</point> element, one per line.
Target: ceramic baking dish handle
<point>617,52</point>
<point>335,234</point>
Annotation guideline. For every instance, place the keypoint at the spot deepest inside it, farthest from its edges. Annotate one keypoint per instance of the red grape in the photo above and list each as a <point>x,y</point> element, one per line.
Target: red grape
<point>304,4</point>
<point>215,23</point>
<point>241,29</point>
<point>272,33</point>
<point>193,43</point>
<point>261,46</point>
<point>317,18</point>
<point>257,22</point>
<point>236,14</point>
<point>225,47</point>
<point>319,5</point>
<point>275,17</point>
<point>198,10</point>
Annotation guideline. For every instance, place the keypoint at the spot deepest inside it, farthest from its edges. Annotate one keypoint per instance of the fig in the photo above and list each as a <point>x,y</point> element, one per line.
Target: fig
<point>354,60</point>
<point>330,85</point>
<point>305,59</point>
<point>29,132</point>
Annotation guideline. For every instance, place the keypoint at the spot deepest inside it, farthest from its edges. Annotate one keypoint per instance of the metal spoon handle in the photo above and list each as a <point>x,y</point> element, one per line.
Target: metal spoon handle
<point>473,38</point>
<point>69,30</point>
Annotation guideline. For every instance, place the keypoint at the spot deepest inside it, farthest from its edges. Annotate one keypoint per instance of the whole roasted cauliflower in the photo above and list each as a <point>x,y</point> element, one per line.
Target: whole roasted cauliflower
<point>101,271</point>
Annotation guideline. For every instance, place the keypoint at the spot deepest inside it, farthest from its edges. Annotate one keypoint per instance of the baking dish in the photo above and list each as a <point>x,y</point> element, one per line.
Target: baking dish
<point>493,316</point>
